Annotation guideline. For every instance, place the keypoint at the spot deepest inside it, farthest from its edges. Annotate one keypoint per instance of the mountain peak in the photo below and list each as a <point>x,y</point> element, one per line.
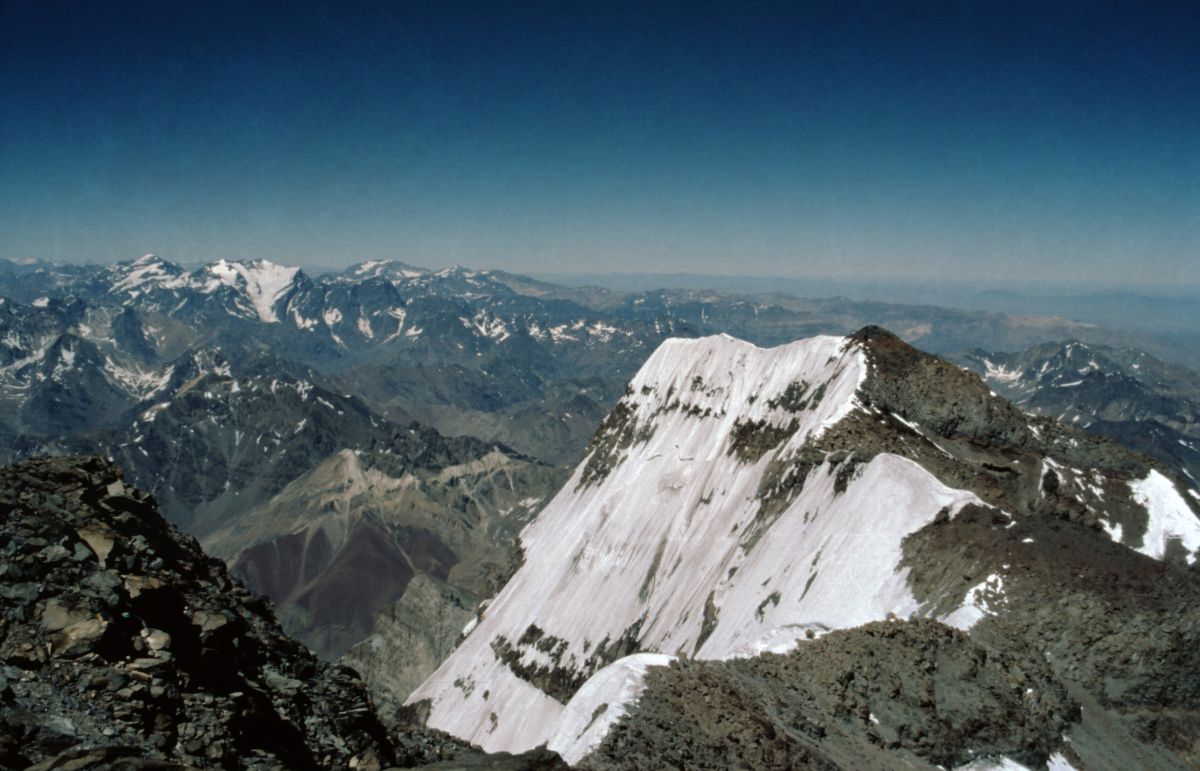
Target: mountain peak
<point>263,282</point>
<point>742,499</point>
<point>721,391</point>
<point>389,270</point>
<point>143,274</point>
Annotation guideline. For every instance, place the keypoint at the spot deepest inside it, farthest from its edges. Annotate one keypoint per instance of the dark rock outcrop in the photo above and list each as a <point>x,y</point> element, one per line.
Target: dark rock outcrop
<point>123,644</point>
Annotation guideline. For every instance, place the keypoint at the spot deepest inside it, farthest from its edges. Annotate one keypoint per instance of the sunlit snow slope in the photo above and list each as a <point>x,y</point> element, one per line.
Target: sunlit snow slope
<point>664,539</point>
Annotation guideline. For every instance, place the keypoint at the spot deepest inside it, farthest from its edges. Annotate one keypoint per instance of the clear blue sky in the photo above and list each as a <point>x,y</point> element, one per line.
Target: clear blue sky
<point>962,140</point>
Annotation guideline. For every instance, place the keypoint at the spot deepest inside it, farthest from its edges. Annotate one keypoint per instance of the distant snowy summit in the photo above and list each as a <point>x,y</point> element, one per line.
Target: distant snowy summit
<point>741,500</point>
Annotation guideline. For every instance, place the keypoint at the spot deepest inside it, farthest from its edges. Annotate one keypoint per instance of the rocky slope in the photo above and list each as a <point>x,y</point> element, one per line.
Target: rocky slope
<point>123,645</point>
<point>357,554</point>
<point>886,695</point>
<point>741,501</point>
<point>119,633</point>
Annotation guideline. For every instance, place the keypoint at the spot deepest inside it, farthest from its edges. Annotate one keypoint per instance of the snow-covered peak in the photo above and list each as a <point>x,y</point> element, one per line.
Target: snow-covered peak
<point>800,387</point>
<point>146,273</point>
<point>667,539</point>
<point>263,282</point>
<point>390,270</point>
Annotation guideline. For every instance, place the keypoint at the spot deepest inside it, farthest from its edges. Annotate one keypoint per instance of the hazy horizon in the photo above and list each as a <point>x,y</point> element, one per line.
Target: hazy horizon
<point>731,282</point>
<point>990,143</point>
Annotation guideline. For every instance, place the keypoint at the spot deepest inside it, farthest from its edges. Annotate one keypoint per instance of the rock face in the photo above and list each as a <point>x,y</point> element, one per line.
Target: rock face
<point>741,501</point>
<point>121,643</point>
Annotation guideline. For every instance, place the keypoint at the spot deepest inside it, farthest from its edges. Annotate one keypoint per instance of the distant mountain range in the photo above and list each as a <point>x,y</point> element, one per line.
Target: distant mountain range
<point>1170,315</point>
<point>1124,394</point>
<point>484,353</point>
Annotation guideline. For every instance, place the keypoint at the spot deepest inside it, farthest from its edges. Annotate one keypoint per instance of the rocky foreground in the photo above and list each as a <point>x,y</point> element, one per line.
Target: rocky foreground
<point>123,644</point>
<point>885,695</point>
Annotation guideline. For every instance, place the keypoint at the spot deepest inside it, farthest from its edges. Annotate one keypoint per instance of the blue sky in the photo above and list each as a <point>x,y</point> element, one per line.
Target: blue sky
<point>970,140</point>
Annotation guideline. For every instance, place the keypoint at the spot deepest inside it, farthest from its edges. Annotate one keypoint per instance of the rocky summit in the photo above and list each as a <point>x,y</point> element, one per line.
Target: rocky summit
<point>123,645</point>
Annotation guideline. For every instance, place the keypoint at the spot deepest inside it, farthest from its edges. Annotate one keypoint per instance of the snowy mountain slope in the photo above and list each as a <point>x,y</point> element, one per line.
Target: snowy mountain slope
<point>250,289</point>
<point>389,270</point>
<point>146,274</point>
<point>740,499</point>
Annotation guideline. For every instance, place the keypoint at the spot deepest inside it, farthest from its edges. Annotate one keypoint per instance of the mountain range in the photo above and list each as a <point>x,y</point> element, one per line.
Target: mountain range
<point>377,450</point>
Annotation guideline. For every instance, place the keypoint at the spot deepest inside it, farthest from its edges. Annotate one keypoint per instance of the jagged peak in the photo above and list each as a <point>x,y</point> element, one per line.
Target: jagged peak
<point>873,332</point>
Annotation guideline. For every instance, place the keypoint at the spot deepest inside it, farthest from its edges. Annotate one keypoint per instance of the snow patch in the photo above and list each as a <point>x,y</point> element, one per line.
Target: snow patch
<point>149,415</point>
<point>301,322</point>
<point>136,381</point>
<point>559,334</point>
<point>781,640</point>
<point>1169,517</point>
<point>487,325</point>
<point>603,699</point>
<point>1059,762</point>
<point>993,764</point>
<point>982,600</point>
<point>399,315</point>
<point>1000,373</point>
